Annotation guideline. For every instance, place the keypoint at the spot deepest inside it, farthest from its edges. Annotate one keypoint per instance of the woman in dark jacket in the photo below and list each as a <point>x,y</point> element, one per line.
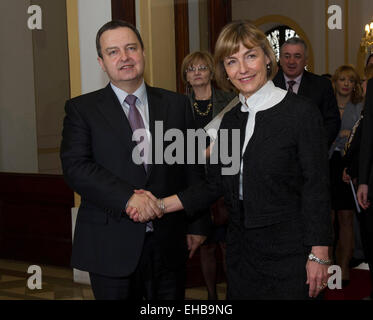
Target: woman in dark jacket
<point>348,92</point>
<point>206,102</point>
<point>279,227</point>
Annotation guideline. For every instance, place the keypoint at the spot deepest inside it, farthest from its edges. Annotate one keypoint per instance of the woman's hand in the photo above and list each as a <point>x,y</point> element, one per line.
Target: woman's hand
<point>345,133</point>
<point>194,241</point>
<point>171,204</point>
<point>317,274</point>
<point>317,277</point>
<point>345,177</point>
<point>362,196</point>
<point>208,151</point>
<point>144,213</point>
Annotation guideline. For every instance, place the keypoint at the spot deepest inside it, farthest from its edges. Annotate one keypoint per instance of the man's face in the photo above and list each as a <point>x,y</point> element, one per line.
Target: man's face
<point>293,60</point>
<point>123,58</point>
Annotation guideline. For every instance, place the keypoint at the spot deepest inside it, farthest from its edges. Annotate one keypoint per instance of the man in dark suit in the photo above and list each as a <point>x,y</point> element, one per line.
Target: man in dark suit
<point>365,190</point>
<point>293,77</point>
<point>125,259</point>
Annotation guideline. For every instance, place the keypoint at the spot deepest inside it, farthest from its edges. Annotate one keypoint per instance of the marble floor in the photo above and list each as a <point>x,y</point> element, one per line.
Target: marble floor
<point>58,284</point>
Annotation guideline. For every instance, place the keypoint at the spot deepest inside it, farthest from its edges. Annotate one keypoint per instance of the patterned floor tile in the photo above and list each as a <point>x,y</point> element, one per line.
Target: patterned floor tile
<point>58,284</point>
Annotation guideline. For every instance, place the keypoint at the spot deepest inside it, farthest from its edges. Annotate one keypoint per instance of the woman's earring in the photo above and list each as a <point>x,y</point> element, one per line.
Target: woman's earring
<point>228,79</point>
<point>268,66</point>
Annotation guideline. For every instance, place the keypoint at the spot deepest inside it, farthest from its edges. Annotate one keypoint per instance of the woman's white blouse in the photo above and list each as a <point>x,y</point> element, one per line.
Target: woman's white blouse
<point>266,97</point>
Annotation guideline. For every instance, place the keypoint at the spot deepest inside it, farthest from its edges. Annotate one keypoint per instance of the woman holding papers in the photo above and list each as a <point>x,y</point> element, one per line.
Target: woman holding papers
<point>207,102</point>
<point>279,225</point>
<point>349,94</point>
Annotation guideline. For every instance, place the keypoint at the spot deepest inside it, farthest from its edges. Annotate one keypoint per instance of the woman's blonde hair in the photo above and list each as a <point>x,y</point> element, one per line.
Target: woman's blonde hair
<point>228,43</point>
<point>191,58</point>
<point>357,92</point>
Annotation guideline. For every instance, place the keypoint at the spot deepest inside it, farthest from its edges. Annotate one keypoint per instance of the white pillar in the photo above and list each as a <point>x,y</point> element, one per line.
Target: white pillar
<point>92,14</point>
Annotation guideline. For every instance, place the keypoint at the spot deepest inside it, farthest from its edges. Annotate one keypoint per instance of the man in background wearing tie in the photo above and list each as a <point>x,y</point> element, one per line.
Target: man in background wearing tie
<point>127,260</point>
<point>293,77</point>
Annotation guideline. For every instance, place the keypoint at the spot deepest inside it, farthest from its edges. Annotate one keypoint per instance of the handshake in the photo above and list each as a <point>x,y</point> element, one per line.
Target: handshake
<point>143,206</point>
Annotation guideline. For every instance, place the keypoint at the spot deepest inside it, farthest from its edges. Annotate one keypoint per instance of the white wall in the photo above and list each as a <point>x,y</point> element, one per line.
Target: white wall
<point>193,16</point>
<point>92,15</point>
<point>18,143</point>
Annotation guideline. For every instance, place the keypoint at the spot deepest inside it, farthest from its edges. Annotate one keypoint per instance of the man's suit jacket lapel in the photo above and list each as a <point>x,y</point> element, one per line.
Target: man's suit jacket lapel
<point>282,81</point>
<point>305,86</point>
<point>279,80</point>
<point>157,112</point>
<point>113,112</point>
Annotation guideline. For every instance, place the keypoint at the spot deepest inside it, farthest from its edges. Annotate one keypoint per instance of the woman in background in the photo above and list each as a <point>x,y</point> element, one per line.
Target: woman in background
<point>206,102</point>
<point>349,95</point>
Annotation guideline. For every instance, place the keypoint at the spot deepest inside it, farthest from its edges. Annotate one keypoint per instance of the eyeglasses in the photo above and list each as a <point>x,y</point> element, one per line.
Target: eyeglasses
<point>200,68</point>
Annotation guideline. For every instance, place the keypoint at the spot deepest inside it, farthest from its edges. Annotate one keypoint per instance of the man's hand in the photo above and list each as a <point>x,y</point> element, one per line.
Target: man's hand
<point>362,196</point>
<point>194,241</point>
<point>142,207</point>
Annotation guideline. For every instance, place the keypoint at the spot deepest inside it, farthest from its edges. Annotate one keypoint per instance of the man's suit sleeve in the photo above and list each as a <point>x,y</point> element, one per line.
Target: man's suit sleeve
<point>85,176</point>
<point>330,112</point>
<point>366,144</point>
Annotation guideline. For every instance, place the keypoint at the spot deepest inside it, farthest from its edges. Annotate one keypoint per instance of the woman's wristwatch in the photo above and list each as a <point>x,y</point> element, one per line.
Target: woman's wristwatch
<point>161,206</point>
<point>312,257</point>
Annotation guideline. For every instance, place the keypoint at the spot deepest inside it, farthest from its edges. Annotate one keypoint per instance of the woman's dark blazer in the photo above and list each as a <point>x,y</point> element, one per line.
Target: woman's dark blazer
<point>220,100</point>
<point>285,171</point>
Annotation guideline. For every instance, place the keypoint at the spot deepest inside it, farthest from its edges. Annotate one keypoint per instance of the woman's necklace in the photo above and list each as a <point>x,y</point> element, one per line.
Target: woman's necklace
<point>209,106</point>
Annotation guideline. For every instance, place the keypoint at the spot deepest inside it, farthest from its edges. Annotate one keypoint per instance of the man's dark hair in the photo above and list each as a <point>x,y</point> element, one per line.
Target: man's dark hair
<point>112,25</point>
<point>295,41</point>
<point>327,75</point>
